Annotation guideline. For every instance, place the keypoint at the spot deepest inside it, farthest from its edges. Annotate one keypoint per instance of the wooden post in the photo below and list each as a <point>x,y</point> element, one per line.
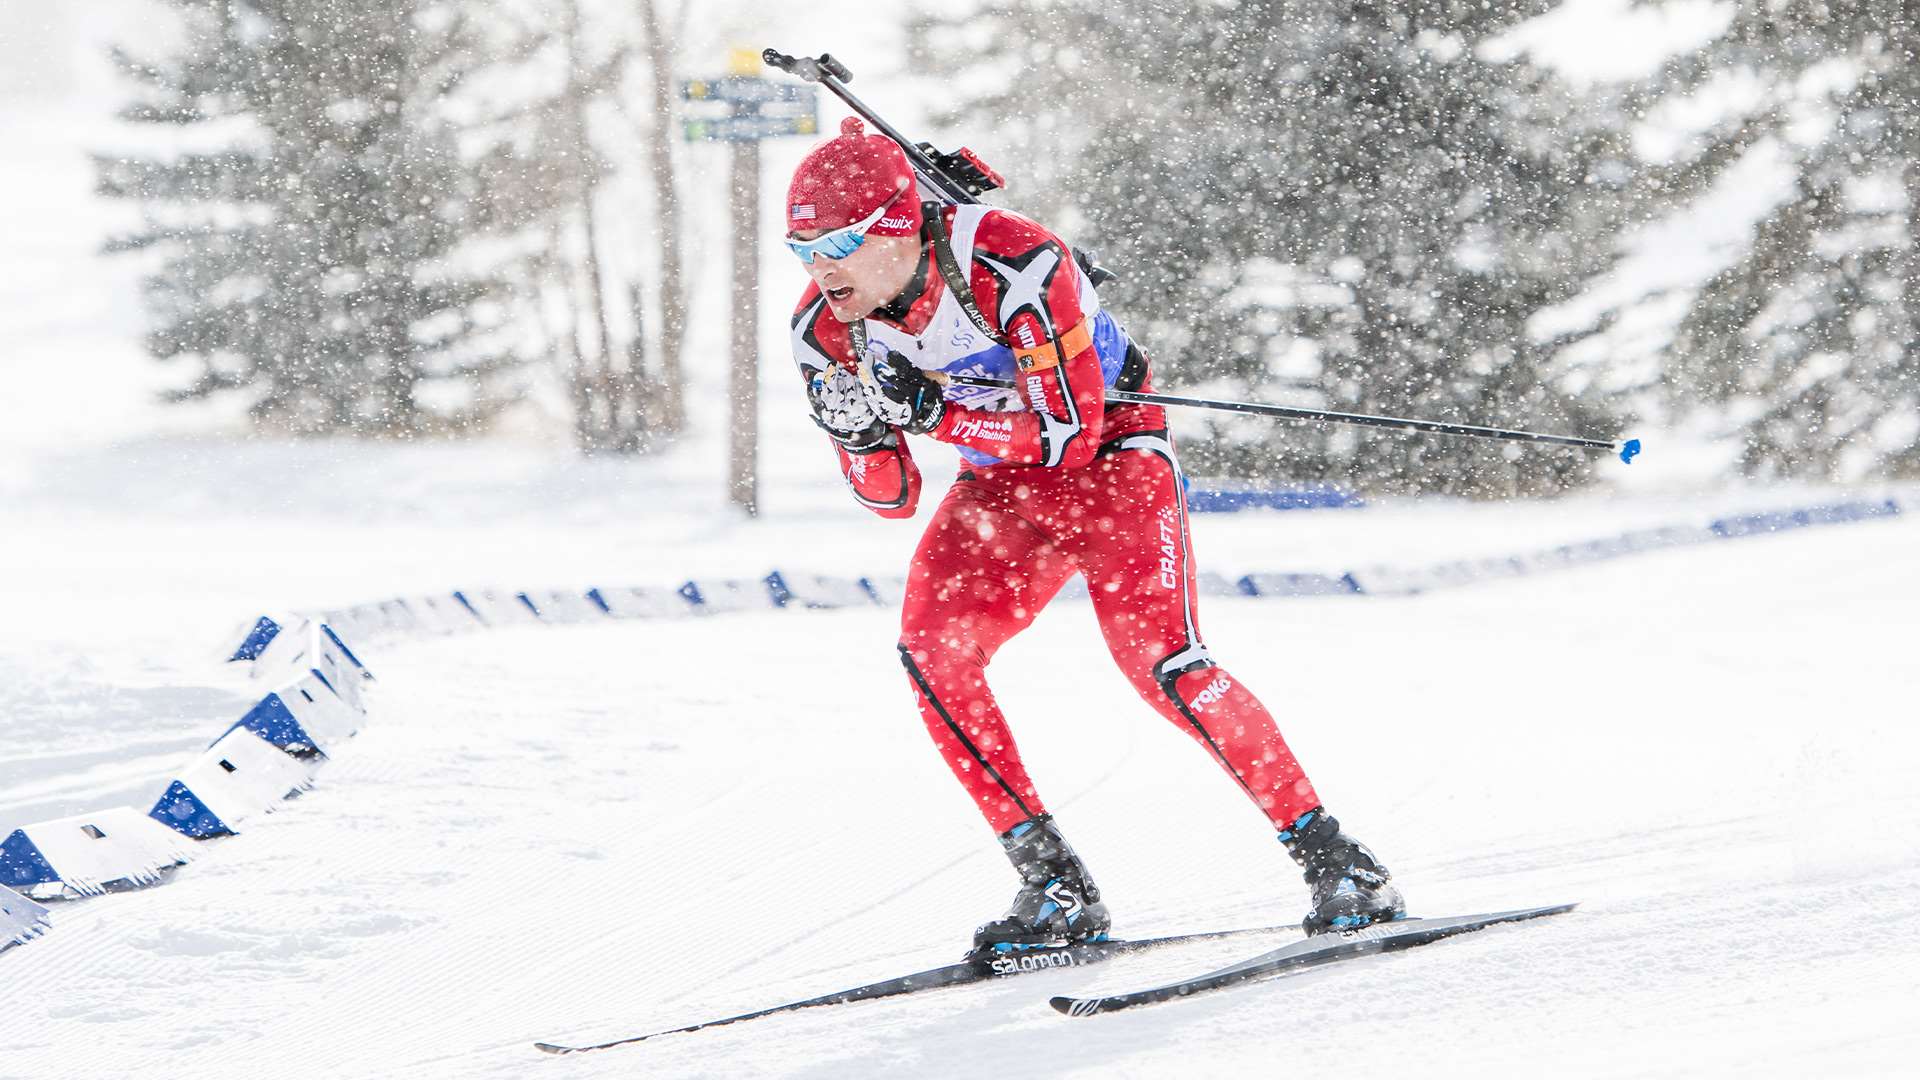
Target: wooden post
<point>756,109</point>
<point>744,392</point>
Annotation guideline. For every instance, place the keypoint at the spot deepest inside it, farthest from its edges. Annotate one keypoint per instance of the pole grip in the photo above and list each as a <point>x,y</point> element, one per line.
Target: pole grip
<point>835,68</point>
<point>812,69</point>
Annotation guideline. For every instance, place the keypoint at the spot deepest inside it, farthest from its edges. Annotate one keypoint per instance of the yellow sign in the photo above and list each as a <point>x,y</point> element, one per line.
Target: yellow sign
<point>744,62</point>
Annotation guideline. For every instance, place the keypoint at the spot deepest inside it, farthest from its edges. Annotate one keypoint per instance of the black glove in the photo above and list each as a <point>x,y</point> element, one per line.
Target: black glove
<point>840,408</point>
<point>901,394</point>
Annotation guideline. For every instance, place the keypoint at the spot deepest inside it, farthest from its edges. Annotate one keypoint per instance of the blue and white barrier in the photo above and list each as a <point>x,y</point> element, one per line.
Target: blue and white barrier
<point>1773,521</point>
<point>496,609</point>
<point>88,854</point>
<point>819,591</point>
<point>383,616</point>
<point>310,645</point>
<point>1296,585</point>
<point>377,619</point>
<point>788,589</point>
<point>442,615</point>
<point>1390,581</point>
<point>563,607</point>
<point>241,776</point>
<point>260,633</point>
<point>267,756</point>
<point>263,759</point>
<point>303,718</point>
<point>1217,499</point>
<point>21,919</point>
<point>781,589</point>
<point>1212,583</point>
<point>713,597</point>
<point>398,614</point>
<point>640,602</point>
<point>888,590</point>
<point>359,623</point>
<point>1402,581</point>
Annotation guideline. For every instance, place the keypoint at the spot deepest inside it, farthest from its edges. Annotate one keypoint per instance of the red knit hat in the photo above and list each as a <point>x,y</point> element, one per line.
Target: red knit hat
<point>847,178</point>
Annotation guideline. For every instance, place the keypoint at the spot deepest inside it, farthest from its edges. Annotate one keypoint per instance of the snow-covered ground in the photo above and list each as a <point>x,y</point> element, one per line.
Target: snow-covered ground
<point>588,832</point>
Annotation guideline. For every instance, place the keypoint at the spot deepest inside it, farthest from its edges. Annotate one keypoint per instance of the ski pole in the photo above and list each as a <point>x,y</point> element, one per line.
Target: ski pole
<point>1626,448</point>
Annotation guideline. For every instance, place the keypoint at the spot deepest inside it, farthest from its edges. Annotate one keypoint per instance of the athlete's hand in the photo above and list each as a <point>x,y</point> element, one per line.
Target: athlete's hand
<point>901,394</point>
<point>840,408</point>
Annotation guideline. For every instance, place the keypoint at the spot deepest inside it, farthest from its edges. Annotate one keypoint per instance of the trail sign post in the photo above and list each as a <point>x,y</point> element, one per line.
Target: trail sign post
<point>745,109</point>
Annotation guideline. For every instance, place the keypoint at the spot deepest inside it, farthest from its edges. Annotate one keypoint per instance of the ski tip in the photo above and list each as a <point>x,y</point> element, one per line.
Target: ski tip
<point>1629,450</point>
<point>550,1048</point>
<point>1519,914</point>
<point>1544,910</point>
<point>1067,1006</point>
<point>1062,1005</point>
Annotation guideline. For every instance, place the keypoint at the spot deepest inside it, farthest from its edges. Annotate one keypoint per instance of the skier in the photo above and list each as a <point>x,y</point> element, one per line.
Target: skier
<point>1055,482</point>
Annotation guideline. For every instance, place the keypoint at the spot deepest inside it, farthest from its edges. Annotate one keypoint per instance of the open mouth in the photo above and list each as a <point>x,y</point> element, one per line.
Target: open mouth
<point>840,295</point>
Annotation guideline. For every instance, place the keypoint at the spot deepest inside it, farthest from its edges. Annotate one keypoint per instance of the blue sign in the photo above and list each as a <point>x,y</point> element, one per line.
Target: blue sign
<point>754,109</point>
<point>747,90</point>
<point>749,128</point>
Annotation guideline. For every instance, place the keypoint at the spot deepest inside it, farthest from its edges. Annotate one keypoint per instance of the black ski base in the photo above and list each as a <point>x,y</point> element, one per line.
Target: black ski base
<point>1313,952</point>
<point>970,970</point>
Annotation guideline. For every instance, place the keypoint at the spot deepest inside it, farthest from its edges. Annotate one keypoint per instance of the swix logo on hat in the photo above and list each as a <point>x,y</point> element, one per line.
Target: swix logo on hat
<point>847,178</point>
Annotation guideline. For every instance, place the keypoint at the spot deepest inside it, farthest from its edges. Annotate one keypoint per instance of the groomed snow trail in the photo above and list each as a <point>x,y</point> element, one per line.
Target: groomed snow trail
<point>587,833</point>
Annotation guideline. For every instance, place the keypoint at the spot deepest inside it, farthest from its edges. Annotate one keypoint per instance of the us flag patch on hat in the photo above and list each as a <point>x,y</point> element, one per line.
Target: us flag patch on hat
<point>803,212</point>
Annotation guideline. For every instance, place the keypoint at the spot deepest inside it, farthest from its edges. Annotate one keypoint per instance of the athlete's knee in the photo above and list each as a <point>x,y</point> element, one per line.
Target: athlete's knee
<point>1200,689</point>
<point>916,660</point>
<point>950,647</point>
<point>1188,685</point>
<point>956,668</point>
<point>1175,670</point>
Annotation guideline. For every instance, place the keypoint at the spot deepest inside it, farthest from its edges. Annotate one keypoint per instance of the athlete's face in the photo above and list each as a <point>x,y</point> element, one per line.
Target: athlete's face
<point>873,274</point>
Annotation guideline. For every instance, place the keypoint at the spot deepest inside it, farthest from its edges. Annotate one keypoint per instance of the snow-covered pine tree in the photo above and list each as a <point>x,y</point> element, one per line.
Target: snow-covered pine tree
<point>311,240</point>
<point>1342,205</point>
<point>1808,341</point>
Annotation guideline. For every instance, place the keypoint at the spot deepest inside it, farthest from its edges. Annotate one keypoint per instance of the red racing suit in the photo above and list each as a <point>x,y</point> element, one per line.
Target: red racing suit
<point>1056,483</point>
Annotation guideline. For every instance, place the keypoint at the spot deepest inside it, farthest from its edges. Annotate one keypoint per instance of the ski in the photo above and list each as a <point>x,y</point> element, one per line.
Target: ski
<point>971,970</point>
<point>1313,952</point>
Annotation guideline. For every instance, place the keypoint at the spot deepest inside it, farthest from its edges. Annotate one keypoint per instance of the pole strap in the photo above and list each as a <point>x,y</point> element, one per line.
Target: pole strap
<point>956,278</point>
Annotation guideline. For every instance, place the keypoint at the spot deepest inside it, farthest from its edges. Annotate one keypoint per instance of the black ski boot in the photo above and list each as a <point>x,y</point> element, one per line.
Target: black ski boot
<point>1058,903</point>
<point>1350,887</point>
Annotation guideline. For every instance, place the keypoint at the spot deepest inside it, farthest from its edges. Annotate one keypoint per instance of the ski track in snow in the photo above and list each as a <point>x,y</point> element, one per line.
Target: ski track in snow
<point>588,833</point>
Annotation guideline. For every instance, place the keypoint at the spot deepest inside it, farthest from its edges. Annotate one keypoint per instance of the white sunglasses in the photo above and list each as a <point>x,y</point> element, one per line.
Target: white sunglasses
<point>839,243</point>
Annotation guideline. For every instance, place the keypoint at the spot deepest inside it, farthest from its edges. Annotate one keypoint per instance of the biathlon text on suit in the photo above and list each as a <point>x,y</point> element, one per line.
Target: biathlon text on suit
<point>1057,482</point>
